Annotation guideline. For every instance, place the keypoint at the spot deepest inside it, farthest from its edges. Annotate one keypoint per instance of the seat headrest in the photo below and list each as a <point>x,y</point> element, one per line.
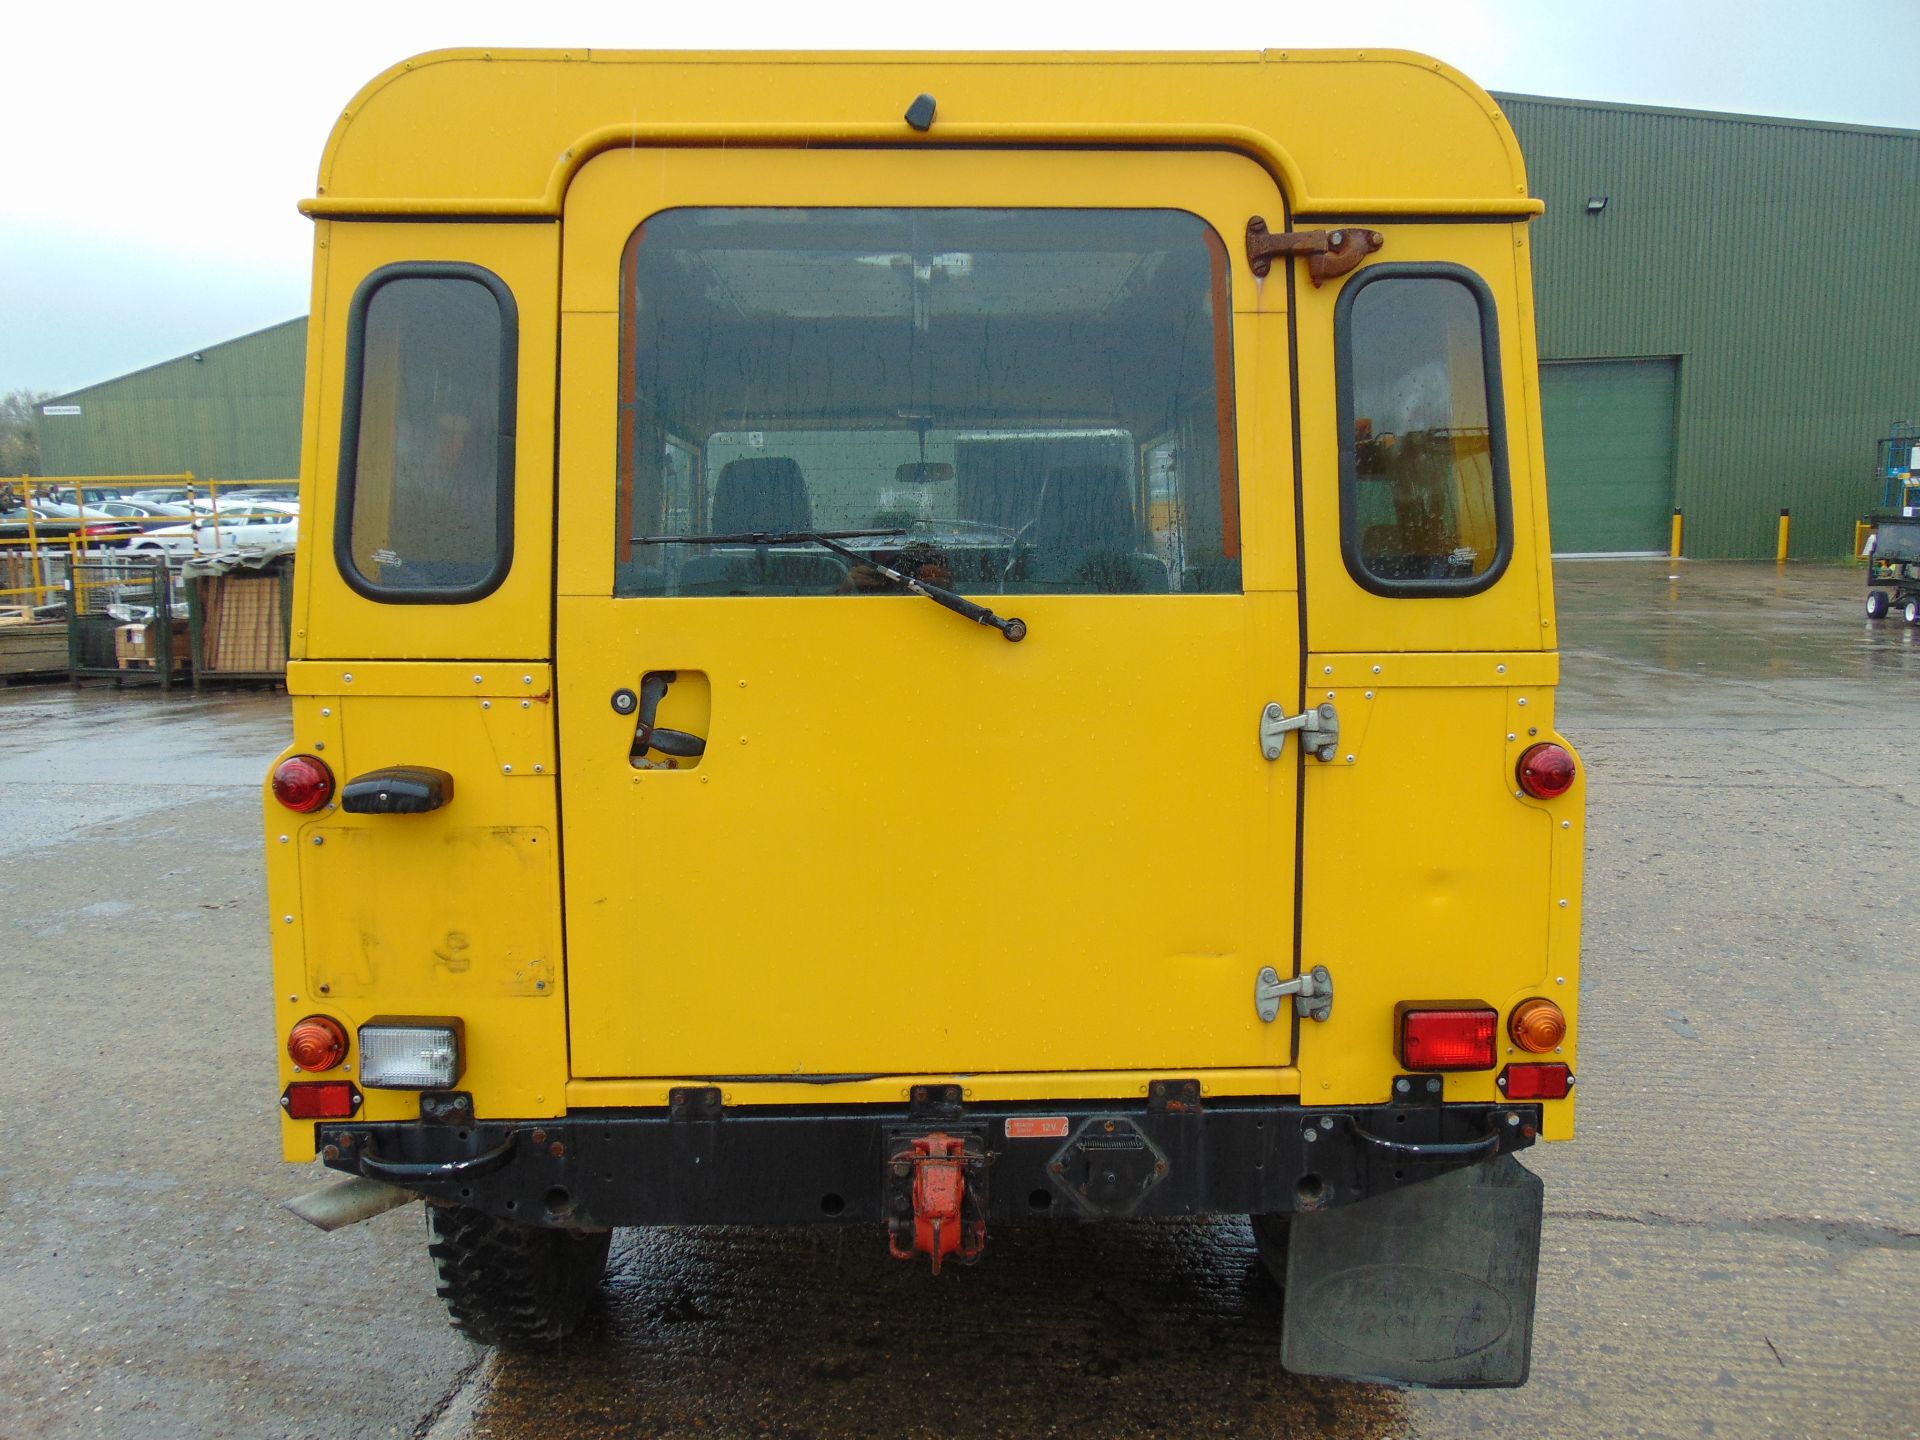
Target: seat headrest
<point>1084,506</point>
<point>764,493</point>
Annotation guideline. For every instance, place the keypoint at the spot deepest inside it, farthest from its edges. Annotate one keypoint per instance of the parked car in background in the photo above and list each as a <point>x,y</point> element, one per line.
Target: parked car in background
<point>261,524</point>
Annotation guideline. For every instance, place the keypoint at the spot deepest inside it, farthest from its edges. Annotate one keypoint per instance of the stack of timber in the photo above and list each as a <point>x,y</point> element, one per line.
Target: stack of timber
<point>29,646</point>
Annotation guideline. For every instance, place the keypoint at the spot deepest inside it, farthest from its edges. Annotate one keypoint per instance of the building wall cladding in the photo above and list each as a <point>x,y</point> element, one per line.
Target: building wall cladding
<point>1780,260</point>
<point>232,414</point>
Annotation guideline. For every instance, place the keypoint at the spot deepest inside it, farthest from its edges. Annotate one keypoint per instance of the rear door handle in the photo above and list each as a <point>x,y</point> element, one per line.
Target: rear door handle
<point>399,790</point>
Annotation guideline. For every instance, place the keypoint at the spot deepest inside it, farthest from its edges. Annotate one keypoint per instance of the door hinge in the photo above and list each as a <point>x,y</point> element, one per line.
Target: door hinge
<point>1330,253</point>
<point>1312,993</point>
<point>1319,727</point>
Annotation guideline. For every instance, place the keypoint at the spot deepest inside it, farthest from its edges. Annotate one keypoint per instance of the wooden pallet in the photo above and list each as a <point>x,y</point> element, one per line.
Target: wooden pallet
<point>33,647</point>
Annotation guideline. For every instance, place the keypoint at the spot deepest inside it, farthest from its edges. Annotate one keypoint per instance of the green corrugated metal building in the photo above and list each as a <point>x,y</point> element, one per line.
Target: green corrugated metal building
<point>1729,311</point>
<point>228,412</point>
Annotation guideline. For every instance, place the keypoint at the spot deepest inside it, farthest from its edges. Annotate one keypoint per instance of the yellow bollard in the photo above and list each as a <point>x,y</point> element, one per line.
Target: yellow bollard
<point>1786,525</point>
<point>1679,525</point>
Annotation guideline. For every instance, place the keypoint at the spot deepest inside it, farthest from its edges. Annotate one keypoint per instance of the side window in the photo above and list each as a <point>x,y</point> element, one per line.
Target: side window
<point>1424,504</point>
<point>426,452</point>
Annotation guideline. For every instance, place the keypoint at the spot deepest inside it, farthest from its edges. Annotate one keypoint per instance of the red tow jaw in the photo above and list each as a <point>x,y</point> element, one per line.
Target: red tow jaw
<point>934,1213</point>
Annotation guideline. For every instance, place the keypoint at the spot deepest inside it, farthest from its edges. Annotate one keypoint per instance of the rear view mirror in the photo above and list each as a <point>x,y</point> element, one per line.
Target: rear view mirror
<point>923,472</point>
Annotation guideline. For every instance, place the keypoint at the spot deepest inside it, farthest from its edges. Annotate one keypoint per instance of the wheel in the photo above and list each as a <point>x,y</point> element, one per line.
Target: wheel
<point>1912,612</point>
<point>1877,604</point>
<point>520,1286</point>
<point>1270,1234</point>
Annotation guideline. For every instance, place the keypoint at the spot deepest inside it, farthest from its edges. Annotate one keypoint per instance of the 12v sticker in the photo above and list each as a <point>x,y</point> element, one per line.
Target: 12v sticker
<point>1037,1127</point>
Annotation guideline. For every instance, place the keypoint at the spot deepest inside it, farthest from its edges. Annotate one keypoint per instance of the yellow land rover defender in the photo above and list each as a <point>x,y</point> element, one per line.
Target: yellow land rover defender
<point>916,641</point>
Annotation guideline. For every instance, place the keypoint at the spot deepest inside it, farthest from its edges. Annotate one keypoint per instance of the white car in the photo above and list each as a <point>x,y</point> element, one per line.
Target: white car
<point>261,524</point>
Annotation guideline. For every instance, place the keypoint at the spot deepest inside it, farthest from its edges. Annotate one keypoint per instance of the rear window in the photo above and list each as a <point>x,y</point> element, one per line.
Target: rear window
<point>426,481</point>
<point>1424,503</point>
<point>1008,401</point>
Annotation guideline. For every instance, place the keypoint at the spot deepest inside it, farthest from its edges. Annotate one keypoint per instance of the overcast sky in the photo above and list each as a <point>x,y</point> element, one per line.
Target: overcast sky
<point>157,151</point>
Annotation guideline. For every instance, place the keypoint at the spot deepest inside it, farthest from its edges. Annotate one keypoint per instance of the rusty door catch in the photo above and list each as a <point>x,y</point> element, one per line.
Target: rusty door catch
<point>1330,253</point>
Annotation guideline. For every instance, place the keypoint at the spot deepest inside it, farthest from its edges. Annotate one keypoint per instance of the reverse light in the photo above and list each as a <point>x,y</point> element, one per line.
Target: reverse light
<point>302,783</point>
<point>1456,1037</point>
<point>318,1042</point>
<point>320,1100</point>
<point>1546,771</point>
<point>410,1055</point>
<point>1537,1025</point>
<point>1535,1082</point>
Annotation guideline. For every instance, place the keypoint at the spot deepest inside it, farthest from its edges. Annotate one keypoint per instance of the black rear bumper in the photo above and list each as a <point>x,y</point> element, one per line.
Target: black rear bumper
<point>695,1163</point>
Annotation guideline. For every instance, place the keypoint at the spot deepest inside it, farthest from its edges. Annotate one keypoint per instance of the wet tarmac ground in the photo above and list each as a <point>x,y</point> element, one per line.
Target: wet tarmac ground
<point>1732,1244</point>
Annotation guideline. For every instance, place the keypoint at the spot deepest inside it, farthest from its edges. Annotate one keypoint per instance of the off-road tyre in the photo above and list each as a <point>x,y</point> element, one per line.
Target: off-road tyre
<point>517,1286</point>
<point>1270,1234</point>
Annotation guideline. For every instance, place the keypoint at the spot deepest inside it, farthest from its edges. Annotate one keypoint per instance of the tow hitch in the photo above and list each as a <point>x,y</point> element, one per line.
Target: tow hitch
<point>936,1197</point>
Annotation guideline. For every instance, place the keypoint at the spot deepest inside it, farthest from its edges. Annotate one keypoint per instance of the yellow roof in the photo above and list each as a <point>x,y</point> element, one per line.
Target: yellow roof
<point>1346,133</point>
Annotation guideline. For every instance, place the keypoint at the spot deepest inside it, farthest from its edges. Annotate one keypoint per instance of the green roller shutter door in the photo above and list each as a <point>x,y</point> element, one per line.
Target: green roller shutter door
<point>1609,428</point>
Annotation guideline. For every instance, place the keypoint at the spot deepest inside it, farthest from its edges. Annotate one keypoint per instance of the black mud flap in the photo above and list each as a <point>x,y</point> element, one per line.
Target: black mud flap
<point>1431,1285</point>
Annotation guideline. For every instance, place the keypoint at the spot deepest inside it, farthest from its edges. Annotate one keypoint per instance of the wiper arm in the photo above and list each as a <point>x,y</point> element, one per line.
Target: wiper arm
<point>1013,628</point>
<point>766,537</point>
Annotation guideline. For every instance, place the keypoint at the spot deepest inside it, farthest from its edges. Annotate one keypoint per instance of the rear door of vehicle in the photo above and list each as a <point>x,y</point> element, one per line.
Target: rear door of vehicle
<point>910,846</point>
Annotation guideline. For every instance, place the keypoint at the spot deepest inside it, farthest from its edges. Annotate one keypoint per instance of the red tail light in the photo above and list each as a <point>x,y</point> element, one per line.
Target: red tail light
<point>1546,771</point>
<point>318,1042</point>
<point>1456,1038</point>
<point>320,1100</point>
<point>303,783</point>
<point>1536,1082</point>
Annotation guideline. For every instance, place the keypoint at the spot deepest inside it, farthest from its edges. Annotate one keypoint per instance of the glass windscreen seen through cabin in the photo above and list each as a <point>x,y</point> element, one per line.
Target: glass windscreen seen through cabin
<point>1040,401</point>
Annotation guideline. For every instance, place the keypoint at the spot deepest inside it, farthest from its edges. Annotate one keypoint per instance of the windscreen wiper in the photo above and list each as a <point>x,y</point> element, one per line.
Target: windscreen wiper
<point>1013,628</point>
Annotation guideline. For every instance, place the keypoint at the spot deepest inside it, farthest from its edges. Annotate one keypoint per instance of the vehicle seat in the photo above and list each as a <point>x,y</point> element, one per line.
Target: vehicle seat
<point>1082,536</point>
<point>766,494</point>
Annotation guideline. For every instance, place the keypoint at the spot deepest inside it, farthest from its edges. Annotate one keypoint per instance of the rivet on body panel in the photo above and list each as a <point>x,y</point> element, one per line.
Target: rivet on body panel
<point>1566,824</point>
<point>319,839</point>
<point>478,678</point>
<point>526,679</point>
<point>319,744</point>
<point>1521,701</point>
<point>486,704</point>
<point>1349,759</point>
<point>283,839</point>
<point>1328,670</point>
<point>526,704</point>
<point>1564,904</point>
<point>346,679</point>
<point>1499,669</point>
<point>325,712</point>
<point>506,769</point>
<point>1376,669</point>
<point>1511,738</point>
<point>539,769</point>
<point>286,919</point>
<point>1369,694</point>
